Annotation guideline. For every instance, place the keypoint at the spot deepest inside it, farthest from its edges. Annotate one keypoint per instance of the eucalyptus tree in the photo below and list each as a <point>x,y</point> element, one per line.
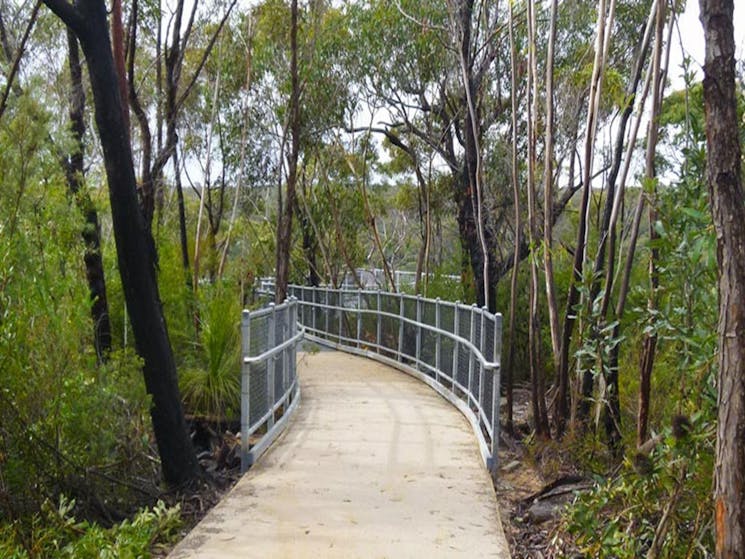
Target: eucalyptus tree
<point>175,79</point>
<point>724,177</point>
<point>299,93</point>
<point>286,208</point>
<point>439,88</point>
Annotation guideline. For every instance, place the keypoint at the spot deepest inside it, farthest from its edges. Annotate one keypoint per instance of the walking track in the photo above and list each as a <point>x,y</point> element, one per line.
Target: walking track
<point>375,464</point>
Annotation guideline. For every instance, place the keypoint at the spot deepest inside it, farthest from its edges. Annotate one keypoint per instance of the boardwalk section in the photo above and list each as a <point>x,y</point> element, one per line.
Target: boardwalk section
<point>375,464</point>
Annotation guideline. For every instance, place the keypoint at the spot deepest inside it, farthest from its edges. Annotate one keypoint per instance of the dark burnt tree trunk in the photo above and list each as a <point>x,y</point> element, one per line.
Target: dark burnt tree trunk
<point>724,175</point>
<point>74,172</point>
<point>147,198</point>
<point>135,250</point>
<point>284,221</point>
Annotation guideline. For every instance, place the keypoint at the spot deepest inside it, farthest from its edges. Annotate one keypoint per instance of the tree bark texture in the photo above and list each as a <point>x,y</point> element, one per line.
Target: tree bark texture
<point>284,223</point>
<point>135,252</point>
<point>511,331</point>
<point>537,382</point>
<point>650,338</point>
<point>548,197</point>
<point>74,171</point>
<point>580,249</point>
<point>724,176</point>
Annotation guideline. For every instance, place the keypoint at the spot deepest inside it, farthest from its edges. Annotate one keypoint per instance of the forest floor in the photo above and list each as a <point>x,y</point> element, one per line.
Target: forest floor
<point>534,484</point>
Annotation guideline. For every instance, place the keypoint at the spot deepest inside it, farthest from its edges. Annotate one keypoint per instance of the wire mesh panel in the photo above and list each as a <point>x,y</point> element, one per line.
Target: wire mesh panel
<point>464,321</point>
<point>408,346</point>
<point>368,320</point>
<point>258,372</point>
<point>430,338</point>
<point>268,381</point>
<point>389,325</point>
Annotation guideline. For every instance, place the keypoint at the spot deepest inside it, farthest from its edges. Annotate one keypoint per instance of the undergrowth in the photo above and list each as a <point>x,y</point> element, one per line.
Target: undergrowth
<point>658,505</point>
<point>55,532</point>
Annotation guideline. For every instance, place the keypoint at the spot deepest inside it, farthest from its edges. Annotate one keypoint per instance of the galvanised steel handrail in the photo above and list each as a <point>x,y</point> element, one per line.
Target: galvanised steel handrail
<point>269,388</point>
<point>402,279</point>
<point>454,348</point>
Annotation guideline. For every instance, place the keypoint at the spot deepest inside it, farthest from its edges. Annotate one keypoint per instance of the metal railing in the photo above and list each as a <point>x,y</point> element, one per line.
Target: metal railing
<point>369,278</point>
<point>454,348</point>
<point>269,388</point>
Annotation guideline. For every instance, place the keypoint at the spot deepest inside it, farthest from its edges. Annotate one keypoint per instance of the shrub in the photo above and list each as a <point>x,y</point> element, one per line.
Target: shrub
<point>54,532</point>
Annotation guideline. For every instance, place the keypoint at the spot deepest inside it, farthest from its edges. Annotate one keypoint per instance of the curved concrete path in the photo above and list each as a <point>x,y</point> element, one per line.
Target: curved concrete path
<point>374,465</point>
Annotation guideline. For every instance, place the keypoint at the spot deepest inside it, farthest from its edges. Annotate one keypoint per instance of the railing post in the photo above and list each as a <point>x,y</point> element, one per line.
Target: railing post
<point>418,330</point>
<point>471,356</point>
<point>286,329</point>
<point>438,341</point>
<point>341,307</point>
<point>377,333</point>
<point>302,301</point>
<point>270,364</point>
<point>496,390</point>
<point>245,387</point>
<point>400,326</point>
<point>313,308</point>
<point>484,310</point>
<point>497,338</point>
<point>456,332</point>
<point>359,318</point>
<point>293,348</point>
<point>326,312</point>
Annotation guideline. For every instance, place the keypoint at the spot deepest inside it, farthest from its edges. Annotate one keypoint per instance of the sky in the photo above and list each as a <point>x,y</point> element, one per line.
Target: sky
<point>692,37</point>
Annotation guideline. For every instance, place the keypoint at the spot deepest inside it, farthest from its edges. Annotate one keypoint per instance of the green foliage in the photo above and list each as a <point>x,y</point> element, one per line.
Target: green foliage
<point>211,383</point>
<point>67,424</point>
<point>618,518</point>
<point>54,532</point>
<point>447,288</point>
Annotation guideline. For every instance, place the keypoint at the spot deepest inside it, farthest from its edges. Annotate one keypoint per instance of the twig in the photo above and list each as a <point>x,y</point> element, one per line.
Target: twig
<point>19,54</point>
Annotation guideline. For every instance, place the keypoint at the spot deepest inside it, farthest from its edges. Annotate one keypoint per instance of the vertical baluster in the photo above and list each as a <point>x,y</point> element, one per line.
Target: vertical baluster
<point>456,331</point>
<point>438,341</point>
<point>471,356</point>
<point>270,364</point>
<point>314,308</point>
<point>359,318</point>
<point>496,396</point>
<point>302,302</point>
<point>293,347</point>
<point>377,332</point>
<point>482,349</point>
<point>418,331</point>
<point>340,306</point>
<point>286,329</point>
<point>326,313</point>
<point>400,326</point>
<point>245,387</point>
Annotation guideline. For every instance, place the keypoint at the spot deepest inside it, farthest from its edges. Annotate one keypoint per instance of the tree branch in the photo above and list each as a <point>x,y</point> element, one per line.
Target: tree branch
<point>19,55</point>
<point>68,14</point>
<point>205,55</point>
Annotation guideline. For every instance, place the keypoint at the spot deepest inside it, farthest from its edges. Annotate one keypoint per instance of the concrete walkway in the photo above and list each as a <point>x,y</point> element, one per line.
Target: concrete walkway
<point>374,465</point>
